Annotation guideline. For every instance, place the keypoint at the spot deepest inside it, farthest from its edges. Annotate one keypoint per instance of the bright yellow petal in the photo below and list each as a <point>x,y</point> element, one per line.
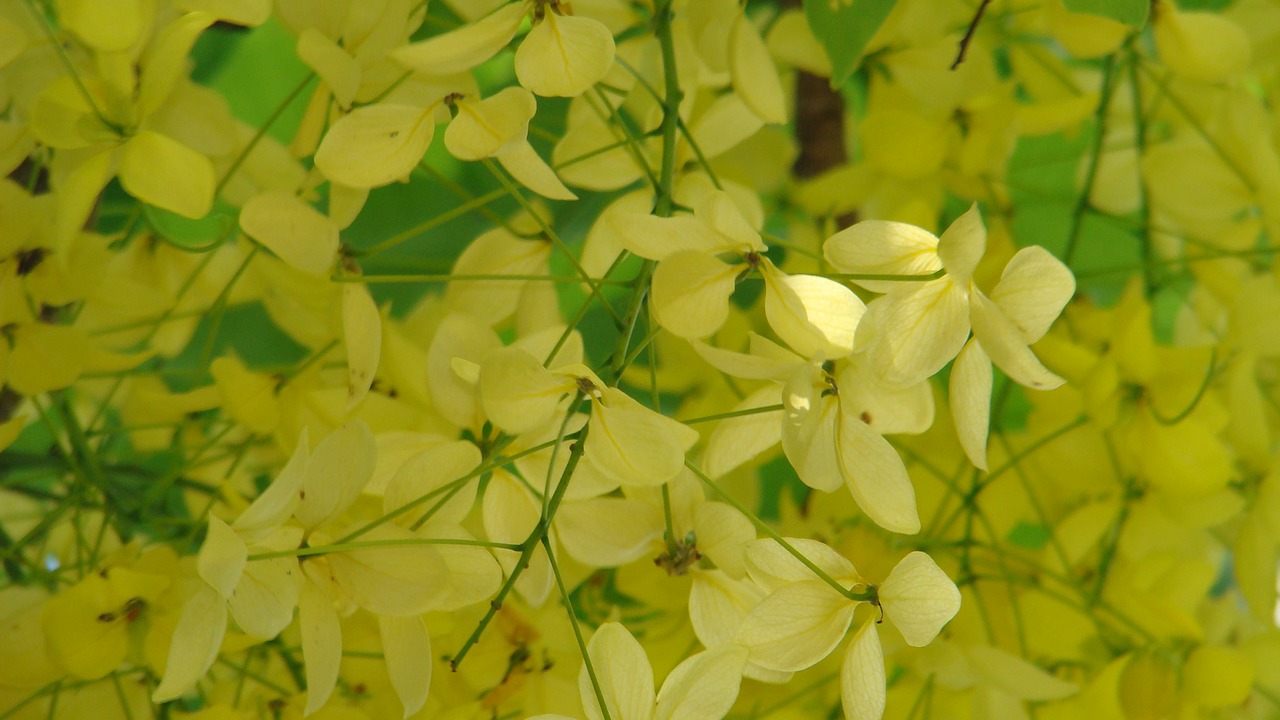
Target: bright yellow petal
<point>739,439</point>
<point>165,63</point>
<point>518,393</point>
<point>1016,676</point>
<point>362,336</point>
<point>1032,291</point>
<point>376,144</point>
<point>107,25</point>
<point>482,127</point>
<point>608,531</point>
<point>332,64</point>
<point>633,444</point>
<point>564,55</point>
<point>464,48</point>
<point>961,246</point>
<point>812,314</point>
<point>921,330</point>
<point>337,471</point>
<point>406,646</point>
<point>879,247</point>
<point>755,79</point>
<point>874,473</point>
<point>796,626</point>
<point>970,399</point>
<point>222,557</point>
<point>266,595</point>
<point>691,293</point>
<point>321,644</point>
<point>624,673</point>
<point>703,686</point>
<point>530,170</point>
<point>919,598</point>
<point>195,644</point>
<point>1002,341</point>
<point>161,171</point>
<point>296,232</point>
<point>862,677</point>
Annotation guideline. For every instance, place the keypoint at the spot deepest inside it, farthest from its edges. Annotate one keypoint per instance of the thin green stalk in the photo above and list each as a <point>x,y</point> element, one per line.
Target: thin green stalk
<point>577,631</point>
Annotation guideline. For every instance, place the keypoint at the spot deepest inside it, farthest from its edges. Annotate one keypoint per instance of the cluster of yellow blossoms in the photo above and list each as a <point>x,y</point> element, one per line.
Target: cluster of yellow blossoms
<point>710,338</point>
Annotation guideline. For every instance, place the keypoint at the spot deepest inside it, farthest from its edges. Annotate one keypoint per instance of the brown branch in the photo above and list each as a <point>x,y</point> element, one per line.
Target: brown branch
<point>968,35</point>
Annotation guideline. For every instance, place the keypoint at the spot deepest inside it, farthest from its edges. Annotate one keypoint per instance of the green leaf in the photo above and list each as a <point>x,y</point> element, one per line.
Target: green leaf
<point>1129,12</point>
<point>193,235</point>
<point>844,27</point>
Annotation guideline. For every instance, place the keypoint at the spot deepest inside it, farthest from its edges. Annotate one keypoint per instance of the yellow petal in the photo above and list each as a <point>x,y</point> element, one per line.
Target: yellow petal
<point>717,605</point>
<point>45,357</point>
<point>1016,676</point>
<point>633,444</point>
<point>248,397</point>
<point>406,646</point>
<point>564,55</point>
<point>608,531</point>
<point>161,171</point>
<point>481,128</point>
<point>245,13</point>
<point>464,48</point>
<point>293,230</point>
<point>518,393</point>
<point>332,64</point>
<point>1002,341</point>
<point>496,252</point>
<point>809,433</point>
<point>862,678</point>
<point>812,314</point>
<point>723,533</point>
<point>772,567</point>
<point>1218,676</point>
<point>691,293</point>
<point>429,471</point>
<point>921,330</point>
<point>961,246</point>
<point>376,144</point>
<point>874,473</point>
<point>12,41</point>
<point>277,502</point>
<point>530,170</point>
<point>879,247</point>
<point>321,644</point>
<point>739,439</point>
<point>1032,291</point>
<point>86,633</point>
<point>107,25</point>
<point>886,408</point>
<point>266,595</point>
<point>1201,45</point>
<point>970,400</point>
<point>394,580</point>
<point>165,63</point>
<point>337,471</point>
<point>222,557</point>
<point>458,336</point>
<point>755,79</point>
<point>918,598</point>
<point>510,513</point>
<point>624,674</point>
<point>362,336</point>
<point>796,626</point>
<point>703,686</point>
<point>474,574</point>
<point>653,237</point>
<point>195,644</point>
